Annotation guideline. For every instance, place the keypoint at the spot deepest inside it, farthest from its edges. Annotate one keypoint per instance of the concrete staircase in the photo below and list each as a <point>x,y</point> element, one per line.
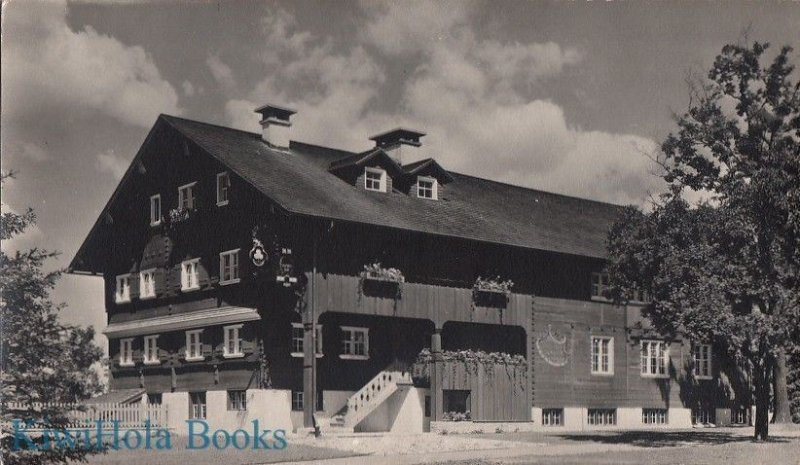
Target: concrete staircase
<point>367,399</point>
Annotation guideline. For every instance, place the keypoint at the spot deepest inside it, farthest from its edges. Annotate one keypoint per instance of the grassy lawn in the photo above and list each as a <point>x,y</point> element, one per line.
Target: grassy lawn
<point>179,455</point>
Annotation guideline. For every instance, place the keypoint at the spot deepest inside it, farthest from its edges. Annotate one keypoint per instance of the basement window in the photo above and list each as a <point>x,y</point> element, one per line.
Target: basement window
<point>553,417</point>
<point>602,416</point>
<point>297,400</point>
<point>375,179</point>
<point>427,188</point>
<point>654,416</point>
<point>237,401</point>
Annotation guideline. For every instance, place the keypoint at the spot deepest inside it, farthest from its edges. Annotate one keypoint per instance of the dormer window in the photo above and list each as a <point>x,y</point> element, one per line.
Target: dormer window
<point>375,179</point>
<point>186,196</point>
<point>427,188</point>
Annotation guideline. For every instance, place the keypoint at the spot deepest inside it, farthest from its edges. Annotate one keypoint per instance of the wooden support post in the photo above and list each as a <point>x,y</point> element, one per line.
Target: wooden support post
<point>437,366</point>
<point>309,344</point>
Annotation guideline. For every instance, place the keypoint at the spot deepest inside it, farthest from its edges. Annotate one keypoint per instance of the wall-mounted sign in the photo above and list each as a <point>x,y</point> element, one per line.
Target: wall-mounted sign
<point>258,254</point>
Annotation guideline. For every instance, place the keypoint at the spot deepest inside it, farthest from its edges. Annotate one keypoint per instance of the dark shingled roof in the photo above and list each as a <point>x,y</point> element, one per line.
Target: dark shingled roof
<point>470,208</point>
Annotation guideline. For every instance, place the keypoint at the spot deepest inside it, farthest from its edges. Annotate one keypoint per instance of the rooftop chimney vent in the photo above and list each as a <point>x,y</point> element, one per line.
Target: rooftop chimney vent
<point>401,144</point>
<point>275,124</point>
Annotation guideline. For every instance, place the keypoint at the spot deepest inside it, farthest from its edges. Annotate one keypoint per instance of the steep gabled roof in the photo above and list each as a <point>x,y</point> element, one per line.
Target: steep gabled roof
<point>472,208</point>
<point>428,165</point>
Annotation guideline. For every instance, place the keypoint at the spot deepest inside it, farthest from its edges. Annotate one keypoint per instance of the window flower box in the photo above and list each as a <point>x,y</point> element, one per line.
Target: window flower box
<point>378,281</point>
<point>494,286</point>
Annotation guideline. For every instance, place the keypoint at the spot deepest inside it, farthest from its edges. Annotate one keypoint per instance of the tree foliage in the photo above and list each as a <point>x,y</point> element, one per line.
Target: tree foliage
<point>42,359</point>
<point>726,268</point>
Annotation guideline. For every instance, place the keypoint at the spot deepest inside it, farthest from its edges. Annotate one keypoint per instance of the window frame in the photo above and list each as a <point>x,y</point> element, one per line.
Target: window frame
<point>152,295</point>
<point>126,296</point>
<point>602,285</point>
<point>381,181</point>
<point>159,215</point>
<point>603,415</point>
<point>665,358</point>
<point>298,401</point>
<point>345,355</point>
<point>609,355</point>
<point>198,344</point>
<point>150,347</point>
<point>434,189</point>
<point>202,404</point>
<point>223,175</point>
<point>708,359</point>
<point>229,253</point>
<point>550,414</point>
<point>237,339</point>
<point>196,263</point>
<point>237,400</point>
<point>300,354</point>
<point>655,416</point>
<point>181,198</point>
<point>126,352</point>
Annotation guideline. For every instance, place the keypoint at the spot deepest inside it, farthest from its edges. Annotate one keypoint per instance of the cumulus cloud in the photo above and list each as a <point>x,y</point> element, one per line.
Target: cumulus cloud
<point>109,162</point>
<point>48,67</point>
<point>475,98</point>
<point>222,73</point>
<point>188,88</point>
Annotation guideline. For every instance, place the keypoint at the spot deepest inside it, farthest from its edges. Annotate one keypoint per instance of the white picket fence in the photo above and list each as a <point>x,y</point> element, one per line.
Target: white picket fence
<point>128,416</point>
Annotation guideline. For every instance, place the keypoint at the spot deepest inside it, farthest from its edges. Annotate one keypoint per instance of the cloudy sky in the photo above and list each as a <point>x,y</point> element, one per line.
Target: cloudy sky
<point>569,97</point>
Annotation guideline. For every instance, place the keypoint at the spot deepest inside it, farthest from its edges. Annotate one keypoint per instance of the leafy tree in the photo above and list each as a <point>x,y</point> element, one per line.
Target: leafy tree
<point>42,359</point>
<point>726,269</point>
<point>794,384</point>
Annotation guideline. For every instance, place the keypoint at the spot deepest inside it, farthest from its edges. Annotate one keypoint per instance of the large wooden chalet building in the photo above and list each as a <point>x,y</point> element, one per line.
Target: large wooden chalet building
<point>250,276</point>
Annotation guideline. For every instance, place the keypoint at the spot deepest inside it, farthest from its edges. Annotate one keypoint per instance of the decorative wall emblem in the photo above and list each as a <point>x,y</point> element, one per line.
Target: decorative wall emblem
<point>258,254</point>
<point>553,347</point>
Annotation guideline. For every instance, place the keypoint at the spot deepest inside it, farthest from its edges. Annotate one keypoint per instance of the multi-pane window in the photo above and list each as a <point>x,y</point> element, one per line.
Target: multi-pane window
<point>186,196</point>
<point>654,416</point>
<point>600,285</point>
<point>223,186</point>
<point>123,292</point>
<point>155,210</point>
<point>703,416</point>
<point>126,352</point>
<point>427,187</point>
<point>298,334</point>
<point>232,341</point>
<point>197,405</point>
<point>297,400</point>
<point>237,401</point>
<point>147,284</point>
<point>151,350</point>
<point>229,267</point>
<point>602,355</point>
<point>702,361</point>
<point>355,343</point>
<point>654,358</point>
<point>374,179</point>
<point>602,416</point>
<point>552,417</point>
<point>194,345</point>
<point>190,274</point>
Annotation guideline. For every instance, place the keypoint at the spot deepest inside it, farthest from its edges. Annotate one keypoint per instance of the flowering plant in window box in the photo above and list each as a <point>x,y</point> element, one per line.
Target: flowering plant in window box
<point>177,215</point>
<point>496,285</point>
<point>376,272</point>
<point>380,281</point>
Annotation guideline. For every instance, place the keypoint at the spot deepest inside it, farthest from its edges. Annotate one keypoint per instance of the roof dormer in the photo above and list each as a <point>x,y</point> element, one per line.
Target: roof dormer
<point>372,171</point>
<point>426,179</point>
